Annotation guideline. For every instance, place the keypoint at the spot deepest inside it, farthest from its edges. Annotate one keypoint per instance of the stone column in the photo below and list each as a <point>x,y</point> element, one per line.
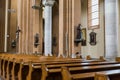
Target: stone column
<point>48,26</point>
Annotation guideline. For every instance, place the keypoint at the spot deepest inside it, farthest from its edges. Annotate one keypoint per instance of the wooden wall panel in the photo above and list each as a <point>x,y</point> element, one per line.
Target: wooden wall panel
<point>30,22</point>
<point>55,28</point>
<point>75,21</point>
<point>12,25</point>
<point>19,19</point>
<point>2,24</point>
<point>69,17</point>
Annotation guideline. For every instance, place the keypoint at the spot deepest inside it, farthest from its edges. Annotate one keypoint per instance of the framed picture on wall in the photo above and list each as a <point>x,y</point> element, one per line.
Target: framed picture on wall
<point>84,37</point>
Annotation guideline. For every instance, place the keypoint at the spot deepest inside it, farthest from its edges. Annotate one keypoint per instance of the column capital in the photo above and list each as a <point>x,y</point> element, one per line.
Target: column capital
<point>48,2</point>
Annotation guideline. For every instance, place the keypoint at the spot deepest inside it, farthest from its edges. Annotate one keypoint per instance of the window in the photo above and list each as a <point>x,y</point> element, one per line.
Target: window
<point>93,14</point>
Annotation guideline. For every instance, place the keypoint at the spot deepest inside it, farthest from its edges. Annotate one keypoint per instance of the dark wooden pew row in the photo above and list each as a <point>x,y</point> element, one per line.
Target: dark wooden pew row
<point>108,75</point>
<point>5,62</point>
<point>100,75</point>
<point>36,64</point>
<point>51,64</point>
<point>85,72</point>
<point>7,59</point>
<point>12,61</point>
<point>8,62</point>
<point>48,69</point>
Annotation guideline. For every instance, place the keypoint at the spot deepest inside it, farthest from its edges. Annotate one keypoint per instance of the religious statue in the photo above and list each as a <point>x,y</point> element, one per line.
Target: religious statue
<point>79,35</point>
<point>79,32</point>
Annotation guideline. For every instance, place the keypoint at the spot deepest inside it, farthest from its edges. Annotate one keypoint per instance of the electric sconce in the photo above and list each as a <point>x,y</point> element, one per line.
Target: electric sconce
<point>36,40</point>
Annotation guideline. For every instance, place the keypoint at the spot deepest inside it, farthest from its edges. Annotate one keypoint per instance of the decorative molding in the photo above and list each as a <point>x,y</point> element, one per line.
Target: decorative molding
<point>48,2</point>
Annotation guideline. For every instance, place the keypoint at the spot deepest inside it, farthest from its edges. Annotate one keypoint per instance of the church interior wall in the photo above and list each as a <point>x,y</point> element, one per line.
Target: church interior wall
<point>98,49</point>
<point>66,18</point>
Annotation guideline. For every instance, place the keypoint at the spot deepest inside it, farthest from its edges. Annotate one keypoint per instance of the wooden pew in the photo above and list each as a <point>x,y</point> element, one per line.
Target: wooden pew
<point>34,62</point>
<point>117,59</point>
<point>47,62</point>
<point>100,75</point>
<point>51,64</point>
<point>86,74</point>
<point>108,75</point>
<point>6,59</point>
<point>18,61</point>
<point>46,69</point>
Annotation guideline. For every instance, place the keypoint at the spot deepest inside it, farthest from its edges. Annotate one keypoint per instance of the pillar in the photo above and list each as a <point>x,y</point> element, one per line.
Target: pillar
<point>48,26</point>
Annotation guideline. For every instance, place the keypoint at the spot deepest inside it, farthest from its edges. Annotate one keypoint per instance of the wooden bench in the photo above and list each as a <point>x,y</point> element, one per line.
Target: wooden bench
<point>10,64</point>
<point>48,69</point>
<point>8,60</point>
<point>108,75</point>
<point>13,68</point>
<point>52,64</point>
<point>87,72</point>
<point>99,75</point>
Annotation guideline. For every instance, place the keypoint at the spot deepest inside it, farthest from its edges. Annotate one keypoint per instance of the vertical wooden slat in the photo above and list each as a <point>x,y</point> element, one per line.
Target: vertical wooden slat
<point>67,27</point>
<point>41,31</point>
<point>27,25</point>
<point>30,23</point>
<point>61,26</point>
<point>31,28</point>
<point>36,25</point>
<point>22,26</point>
<point>19,23</point>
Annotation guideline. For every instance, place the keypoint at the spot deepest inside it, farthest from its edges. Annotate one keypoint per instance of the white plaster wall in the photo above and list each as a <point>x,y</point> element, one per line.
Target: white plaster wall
<point>111,28</point>
<point>98,49</point>
<point>118,1</point>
